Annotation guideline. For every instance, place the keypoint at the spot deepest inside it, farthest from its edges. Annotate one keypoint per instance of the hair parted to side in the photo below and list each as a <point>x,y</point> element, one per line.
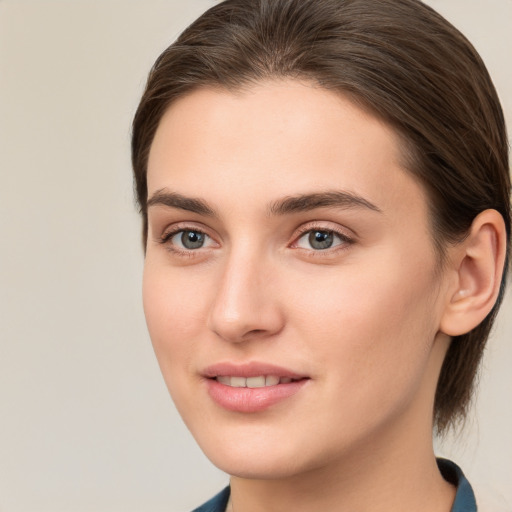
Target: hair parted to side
<point>397,58</point>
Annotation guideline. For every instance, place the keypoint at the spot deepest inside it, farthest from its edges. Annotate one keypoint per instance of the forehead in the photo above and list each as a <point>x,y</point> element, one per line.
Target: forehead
<point>278,138</point>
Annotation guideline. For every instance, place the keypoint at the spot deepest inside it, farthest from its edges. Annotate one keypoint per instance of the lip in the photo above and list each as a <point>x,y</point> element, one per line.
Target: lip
<point>251,400</point>
<point>252,369</point>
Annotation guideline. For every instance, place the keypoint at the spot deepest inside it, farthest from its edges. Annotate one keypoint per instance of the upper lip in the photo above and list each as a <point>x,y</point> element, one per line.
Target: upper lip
<point>251,369</point>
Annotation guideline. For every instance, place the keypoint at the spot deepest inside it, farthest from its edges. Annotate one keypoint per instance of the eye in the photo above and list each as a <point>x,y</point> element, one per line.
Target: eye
<point>189,239</point>
<point>321,239</point>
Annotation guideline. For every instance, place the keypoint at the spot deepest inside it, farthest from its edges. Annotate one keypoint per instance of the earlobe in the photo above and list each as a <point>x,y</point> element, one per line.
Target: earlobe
<point>478,264</point>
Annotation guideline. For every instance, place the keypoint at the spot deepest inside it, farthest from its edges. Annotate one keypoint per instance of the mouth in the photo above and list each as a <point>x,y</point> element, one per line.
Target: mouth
<point>252,387</point>
<point>260,381</point>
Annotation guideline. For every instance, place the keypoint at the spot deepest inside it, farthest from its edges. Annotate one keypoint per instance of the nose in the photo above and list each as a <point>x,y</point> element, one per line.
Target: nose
<point>247,303</point>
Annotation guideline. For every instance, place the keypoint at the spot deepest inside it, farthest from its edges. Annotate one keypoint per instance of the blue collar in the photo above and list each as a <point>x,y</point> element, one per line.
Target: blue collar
<point>464,499</point>
<point>217,504</point>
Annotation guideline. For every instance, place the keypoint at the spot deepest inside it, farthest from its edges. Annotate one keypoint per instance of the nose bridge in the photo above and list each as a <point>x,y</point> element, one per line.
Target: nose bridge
<point>244,306</point>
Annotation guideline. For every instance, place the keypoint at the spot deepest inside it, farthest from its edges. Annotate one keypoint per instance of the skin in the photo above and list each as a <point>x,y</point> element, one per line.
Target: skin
<point>361,319</point>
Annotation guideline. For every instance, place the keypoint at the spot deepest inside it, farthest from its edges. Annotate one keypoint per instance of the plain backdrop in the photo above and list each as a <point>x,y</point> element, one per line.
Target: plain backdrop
<point>86,423</point>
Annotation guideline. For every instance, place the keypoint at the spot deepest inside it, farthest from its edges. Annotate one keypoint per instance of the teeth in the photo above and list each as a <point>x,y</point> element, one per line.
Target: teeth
<point>271,380</point>
<point>260,381</point>
<point>238,382</point>
<point>256,382</point>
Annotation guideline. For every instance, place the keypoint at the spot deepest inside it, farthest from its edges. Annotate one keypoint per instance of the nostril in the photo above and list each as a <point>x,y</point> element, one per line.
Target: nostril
<point>255,332</point>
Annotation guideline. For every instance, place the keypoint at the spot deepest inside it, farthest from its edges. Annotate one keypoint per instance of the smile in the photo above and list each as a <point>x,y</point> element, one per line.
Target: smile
<point>252,387</point>
<point>260,381</point>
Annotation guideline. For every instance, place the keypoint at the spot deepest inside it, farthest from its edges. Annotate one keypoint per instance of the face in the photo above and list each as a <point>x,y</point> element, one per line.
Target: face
<point>291,287</point>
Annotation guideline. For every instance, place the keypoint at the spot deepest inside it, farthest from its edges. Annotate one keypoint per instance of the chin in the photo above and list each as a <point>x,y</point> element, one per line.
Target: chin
<point>262,467</point>
<point>256,453</point>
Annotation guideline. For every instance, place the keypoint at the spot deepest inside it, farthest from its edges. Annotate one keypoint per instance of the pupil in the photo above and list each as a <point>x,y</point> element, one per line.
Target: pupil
<point>320,239</point>
<point>192,239</point>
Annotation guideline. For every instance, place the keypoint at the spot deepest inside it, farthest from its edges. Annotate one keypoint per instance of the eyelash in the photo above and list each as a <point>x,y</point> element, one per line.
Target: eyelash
<point>188,253</point>
<point>345,241</point>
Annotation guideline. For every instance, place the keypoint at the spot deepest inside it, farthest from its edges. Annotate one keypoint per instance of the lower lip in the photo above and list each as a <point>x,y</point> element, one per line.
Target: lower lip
<point>251,399</point>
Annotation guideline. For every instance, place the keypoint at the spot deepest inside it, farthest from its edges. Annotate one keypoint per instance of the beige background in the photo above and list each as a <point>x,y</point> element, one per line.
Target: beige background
<point>85,420</point>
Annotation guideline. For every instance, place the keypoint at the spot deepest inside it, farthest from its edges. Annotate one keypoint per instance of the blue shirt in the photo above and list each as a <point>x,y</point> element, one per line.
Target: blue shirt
<point>464,499</point>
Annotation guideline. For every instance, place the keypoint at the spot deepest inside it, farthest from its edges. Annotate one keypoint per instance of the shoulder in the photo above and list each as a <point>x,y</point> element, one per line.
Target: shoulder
<point>217,504</point>
<point>489,499</point>
<point>464,499</point>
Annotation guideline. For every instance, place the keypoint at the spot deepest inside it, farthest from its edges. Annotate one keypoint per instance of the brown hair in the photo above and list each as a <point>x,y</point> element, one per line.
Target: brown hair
<point>397,58</point>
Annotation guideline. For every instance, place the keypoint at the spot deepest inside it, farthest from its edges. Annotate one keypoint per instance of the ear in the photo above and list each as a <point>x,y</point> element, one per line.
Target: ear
<point>477,264</point>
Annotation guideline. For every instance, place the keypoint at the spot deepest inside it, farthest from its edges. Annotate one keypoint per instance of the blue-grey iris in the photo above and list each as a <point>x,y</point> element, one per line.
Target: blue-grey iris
<point>192,239</point>
<point>321,239</point>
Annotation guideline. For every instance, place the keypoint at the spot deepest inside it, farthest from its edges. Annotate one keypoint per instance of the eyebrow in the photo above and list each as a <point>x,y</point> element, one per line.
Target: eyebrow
<point>330,199</point>
<point>292,204</point>
<point>175,200</point>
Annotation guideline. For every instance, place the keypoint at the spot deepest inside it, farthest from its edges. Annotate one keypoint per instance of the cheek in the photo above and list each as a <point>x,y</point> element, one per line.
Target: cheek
<point>372,326</point>
<point>388,293</point>
<point>175,313</point>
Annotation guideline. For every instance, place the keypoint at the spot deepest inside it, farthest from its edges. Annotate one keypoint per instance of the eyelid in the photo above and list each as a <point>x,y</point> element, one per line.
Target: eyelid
<point>170,231</point>
<point>347,236</point>
<point>322,225</point>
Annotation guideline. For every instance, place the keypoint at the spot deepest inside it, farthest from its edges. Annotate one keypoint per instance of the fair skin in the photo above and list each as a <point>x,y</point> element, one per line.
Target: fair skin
<point>340,287</point>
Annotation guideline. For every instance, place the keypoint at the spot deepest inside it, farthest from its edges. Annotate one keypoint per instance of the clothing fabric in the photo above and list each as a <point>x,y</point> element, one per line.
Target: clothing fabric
<point>464,499</point>
<point>217,504</point>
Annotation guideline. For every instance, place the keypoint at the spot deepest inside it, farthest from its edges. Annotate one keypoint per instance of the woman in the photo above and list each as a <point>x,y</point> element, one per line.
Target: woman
<point>325,199</point>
